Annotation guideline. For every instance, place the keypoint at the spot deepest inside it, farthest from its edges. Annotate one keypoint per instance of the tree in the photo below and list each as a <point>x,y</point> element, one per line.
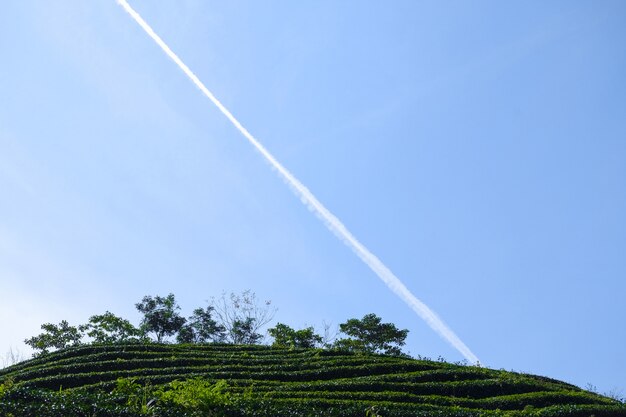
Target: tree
<point>108,328</point>
<point>201,328</point>
<point>55,337</point>
<point>286,337</point>
<point>369,335</point>
<point>160,316</point>
<point>242,316</point>
<point>243,332</point>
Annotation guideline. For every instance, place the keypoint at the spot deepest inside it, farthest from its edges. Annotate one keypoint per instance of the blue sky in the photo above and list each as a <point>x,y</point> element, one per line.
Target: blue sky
<point>478,149</point>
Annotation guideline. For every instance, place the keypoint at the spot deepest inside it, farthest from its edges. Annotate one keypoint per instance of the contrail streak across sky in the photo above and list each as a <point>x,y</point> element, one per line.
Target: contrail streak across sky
<point>318,208</point>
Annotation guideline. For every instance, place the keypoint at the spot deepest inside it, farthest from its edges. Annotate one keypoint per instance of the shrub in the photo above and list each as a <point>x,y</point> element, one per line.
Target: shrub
<point>197,396</point>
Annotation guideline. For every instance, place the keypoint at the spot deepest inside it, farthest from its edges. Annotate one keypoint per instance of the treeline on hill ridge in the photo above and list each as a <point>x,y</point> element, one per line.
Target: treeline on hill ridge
<point>214,364</point>
<point>234,318</point>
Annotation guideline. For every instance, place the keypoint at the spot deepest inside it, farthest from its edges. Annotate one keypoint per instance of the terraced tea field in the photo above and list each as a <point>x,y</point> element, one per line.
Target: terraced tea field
<point>262,381</point>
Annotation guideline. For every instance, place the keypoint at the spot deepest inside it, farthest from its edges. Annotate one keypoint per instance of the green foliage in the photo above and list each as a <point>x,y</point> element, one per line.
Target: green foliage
<point>286,337</point>
<point>160,316</point>
<point>202,328</point>
<point>243,332</point>
<point>170,380</point>
<point>6,386</point>
<point>197,396</point>
<point>369,335</point>
<point>108,328</point>
<point>55,336</point>
<point>123,375</point>
<point>139,398</point>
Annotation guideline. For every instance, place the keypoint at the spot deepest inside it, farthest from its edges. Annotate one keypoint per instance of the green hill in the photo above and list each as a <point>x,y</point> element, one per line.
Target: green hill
<point>262,381</point>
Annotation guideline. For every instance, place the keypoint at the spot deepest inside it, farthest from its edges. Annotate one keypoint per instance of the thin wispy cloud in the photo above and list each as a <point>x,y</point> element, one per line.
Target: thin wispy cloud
<point>308,199</point>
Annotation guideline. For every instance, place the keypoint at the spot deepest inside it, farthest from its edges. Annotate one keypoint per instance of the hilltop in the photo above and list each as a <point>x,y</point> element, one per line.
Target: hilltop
<point>237,380</point>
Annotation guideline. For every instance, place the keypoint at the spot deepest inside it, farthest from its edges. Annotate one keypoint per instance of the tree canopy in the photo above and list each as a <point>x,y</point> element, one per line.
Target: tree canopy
<point>201,327</point>
<point>160,316</point>
<point>109,328</point>
<point>234,318</point>
<point>55,336</point>
<point>285,336</point>
<point>370,335</point>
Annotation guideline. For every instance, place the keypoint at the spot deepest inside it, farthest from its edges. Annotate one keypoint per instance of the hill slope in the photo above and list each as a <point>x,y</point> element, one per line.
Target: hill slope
<point>262,381</point>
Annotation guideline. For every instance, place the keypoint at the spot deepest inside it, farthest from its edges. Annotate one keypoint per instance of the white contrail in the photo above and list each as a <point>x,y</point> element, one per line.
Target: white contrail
<point>322,212</point>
